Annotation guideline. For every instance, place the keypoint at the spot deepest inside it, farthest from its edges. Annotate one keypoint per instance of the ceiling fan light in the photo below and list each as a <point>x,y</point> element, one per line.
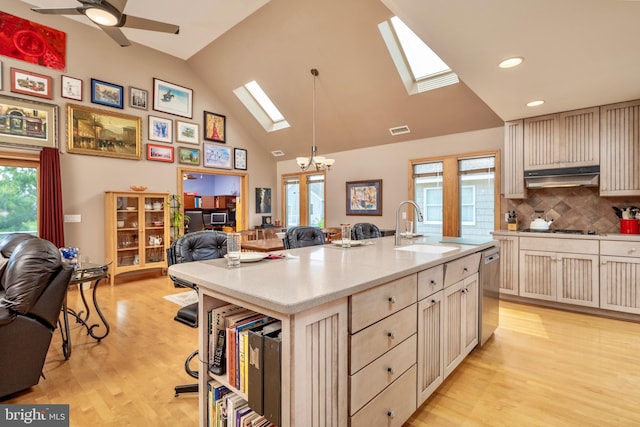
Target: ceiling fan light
<point>101,16</point>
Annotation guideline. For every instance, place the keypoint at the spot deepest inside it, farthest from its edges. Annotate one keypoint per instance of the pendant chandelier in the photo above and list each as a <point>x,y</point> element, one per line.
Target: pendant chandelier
<point>319,162</point>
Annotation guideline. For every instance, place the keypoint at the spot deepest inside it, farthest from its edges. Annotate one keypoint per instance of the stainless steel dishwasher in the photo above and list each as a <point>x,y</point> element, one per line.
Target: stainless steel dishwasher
<point>489,293</point>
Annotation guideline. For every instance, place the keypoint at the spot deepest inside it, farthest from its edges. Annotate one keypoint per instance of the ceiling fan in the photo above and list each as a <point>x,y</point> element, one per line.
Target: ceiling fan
<point>109,17</point>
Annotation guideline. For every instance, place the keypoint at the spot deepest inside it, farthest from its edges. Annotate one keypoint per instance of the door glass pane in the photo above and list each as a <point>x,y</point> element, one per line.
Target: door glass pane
<point>292,203</point>
<point>477,190</point>
<point>427,181</point>
<point>315,202</point>
<point>18,200</point>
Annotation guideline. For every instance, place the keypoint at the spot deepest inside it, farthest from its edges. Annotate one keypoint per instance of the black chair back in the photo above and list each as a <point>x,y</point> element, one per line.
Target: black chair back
<point>365,230</point>
<point>303,236</point>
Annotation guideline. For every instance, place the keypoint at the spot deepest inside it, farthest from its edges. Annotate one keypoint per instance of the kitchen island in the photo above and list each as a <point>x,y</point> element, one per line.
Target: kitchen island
<point>346,314</point>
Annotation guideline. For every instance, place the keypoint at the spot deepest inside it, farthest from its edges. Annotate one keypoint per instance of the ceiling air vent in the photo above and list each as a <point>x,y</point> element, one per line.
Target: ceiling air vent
<point>277,153</point>
<point>399,130</point>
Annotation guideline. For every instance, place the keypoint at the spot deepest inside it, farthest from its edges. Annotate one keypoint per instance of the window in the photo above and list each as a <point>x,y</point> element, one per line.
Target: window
<point>420,68</point>
<point>260,105</point>
<point>457,195</point>
<point>304,199</point>
<point>18,193</point>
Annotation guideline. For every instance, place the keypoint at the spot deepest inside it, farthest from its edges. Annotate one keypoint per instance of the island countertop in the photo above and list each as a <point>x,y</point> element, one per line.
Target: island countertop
<point>311,276</point>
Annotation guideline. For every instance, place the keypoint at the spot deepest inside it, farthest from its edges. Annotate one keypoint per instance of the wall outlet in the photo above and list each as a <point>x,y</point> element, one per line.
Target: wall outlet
<point>73,218</point>
<point>506,217</point>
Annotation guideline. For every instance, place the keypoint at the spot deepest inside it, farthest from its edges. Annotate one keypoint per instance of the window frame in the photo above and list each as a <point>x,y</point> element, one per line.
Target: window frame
<point>303,179</point>
<point>451,220</point>
<point>25,160</point>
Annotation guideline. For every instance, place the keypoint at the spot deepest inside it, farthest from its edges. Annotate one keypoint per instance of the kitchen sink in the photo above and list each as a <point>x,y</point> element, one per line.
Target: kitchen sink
<point>427,249</point>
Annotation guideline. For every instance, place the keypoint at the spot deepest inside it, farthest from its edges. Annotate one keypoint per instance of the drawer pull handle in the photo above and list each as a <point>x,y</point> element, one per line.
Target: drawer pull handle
<point>465,269</point>
<point>433,282</point>
<point>464,291</point>
<point>391,370</point>
<point>390,414</point>
<point>391,335</point>
<point>632,250</point>
<point>433,301</point>
<point>392,300</point>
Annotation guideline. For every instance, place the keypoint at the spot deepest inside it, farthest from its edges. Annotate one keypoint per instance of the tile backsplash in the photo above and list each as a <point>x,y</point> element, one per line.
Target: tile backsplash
<point>574,208</point>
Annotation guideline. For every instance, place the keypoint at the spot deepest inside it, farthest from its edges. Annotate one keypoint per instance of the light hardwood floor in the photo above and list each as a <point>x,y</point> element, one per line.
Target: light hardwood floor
<point>543,367</point>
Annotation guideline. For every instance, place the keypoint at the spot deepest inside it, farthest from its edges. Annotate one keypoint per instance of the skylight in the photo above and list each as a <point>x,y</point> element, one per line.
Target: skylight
<point>420,68</point>
<point>260,105</point>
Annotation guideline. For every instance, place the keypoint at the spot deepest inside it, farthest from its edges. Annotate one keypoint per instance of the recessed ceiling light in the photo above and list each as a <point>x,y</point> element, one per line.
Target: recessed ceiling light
<point>534,103</point>
<point>511,62</point>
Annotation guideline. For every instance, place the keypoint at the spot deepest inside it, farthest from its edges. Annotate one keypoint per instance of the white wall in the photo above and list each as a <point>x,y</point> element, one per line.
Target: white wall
<point>92,54</point>
<point>391,164</point>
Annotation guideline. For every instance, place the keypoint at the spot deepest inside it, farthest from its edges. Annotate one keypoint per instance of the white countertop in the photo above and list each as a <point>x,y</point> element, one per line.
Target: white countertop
<point>315,275</point>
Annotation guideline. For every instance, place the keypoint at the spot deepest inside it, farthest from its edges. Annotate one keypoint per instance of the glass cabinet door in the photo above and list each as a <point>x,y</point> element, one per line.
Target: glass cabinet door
<point>154,226</point>
<point>128,231</point>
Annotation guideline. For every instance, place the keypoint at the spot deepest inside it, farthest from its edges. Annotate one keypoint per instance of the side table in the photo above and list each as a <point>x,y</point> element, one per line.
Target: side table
<point>85,272</point>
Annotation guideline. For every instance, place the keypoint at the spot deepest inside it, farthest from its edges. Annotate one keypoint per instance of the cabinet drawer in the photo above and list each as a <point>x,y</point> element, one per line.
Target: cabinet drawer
<point>392,407</point>
<point>461,268</point>
<point>373,378</point>
<point>618,248</point>
<point>430,281</point>
<point>369,306</point>
<point>549,244</point>
<point>370,343</point>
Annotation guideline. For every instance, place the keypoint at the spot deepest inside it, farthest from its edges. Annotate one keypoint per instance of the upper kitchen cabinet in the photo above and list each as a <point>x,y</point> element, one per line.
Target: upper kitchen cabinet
<point>562,140</point>
<point>620,149</point>
<point>513,178</point>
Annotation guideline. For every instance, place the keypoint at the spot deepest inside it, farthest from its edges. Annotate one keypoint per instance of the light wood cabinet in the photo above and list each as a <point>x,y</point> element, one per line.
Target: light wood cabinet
<point>461,321</point>
<point>562,270</point>
<point>620,276</point>
<point>136,231</point>
<point>513,178</point>
<point>620,149</point>
<point>509,252</point>
<point>430,345</point>
<point>560,140</point>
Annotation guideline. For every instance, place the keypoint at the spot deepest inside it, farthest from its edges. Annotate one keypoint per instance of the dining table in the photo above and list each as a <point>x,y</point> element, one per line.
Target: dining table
<point>263,245</point>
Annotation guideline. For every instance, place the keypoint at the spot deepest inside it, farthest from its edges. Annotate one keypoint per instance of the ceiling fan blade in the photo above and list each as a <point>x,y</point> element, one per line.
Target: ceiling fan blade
<point>116,35</point>
<point>129,21</point>
<point>64,11</point>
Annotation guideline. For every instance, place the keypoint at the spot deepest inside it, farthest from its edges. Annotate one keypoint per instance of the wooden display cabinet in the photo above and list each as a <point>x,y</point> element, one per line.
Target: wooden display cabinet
<point>136,231</point>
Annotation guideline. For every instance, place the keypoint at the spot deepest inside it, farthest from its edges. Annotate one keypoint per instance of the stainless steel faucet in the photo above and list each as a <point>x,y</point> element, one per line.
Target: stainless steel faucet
<point>416,207</point>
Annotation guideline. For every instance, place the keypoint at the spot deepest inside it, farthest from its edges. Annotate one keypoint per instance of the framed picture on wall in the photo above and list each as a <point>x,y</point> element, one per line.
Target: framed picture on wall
<point>32,123</point>
<point>214,127</point>
<point>138,98</point>
<point>160,129</point>
<point>108,94</point>
<point>28,83</point>
<point>71,88</point>
<point>263,200</point>
<point>216,156</point>
<point>240,158</point>
<point>159,153</point>
<point>188,133</point>
<point>364,197</point>
<point>172,99</point>
<point>189,156</point>
<point>86,133</point>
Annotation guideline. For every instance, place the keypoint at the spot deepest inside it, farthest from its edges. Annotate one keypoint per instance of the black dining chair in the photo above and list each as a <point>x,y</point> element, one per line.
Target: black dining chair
<point>196,246</point>
<point>303,236</point>
<point>365,230</point>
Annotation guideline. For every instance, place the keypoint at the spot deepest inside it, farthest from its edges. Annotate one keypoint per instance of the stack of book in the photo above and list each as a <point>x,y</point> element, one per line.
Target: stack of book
<point>249,364</point>
<point>230,410</point>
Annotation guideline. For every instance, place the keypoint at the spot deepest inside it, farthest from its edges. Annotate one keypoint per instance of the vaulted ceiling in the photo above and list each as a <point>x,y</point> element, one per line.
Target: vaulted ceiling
<point>578,53</point>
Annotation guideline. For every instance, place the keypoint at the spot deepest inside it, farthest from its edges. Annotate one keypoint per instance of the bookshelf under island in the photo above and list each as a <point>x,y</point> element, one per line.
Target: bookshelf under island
<point>367,332</point>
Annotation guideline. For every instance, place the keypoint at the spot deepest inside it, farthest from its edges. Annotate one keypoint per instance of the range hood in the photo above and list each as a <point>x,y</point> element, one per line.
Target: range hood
<point>587,176</point>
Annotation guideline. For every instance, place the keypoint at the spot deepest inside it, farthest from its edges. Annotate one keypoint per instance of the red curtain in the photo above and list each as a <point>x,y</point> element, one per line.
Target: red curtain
<point>51,214</point>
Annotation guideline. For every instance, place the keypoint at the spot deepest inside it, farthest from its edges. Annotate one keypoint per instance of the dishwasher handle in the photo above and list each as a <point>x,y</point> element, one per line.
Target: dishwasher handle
<point>491,258</point>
